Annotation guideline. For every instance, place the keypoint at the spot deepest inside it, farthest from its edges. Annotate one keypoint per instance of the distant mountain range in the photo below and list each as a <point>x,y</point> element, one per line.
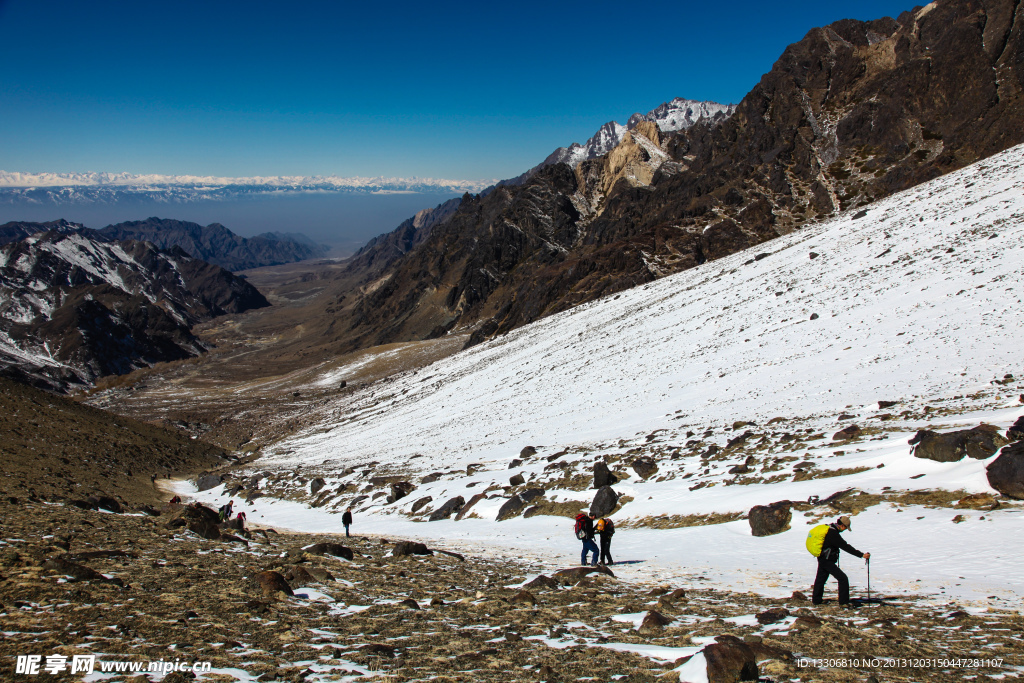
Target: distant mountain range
<point>72,188</point>
<point>76,305</point>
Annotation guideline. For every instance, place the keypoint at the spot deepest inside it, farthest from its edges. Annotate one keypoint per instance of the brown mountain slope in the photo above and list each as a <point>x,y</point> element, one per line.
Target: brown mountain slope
<point>53,448</point>
<point>853,112</point>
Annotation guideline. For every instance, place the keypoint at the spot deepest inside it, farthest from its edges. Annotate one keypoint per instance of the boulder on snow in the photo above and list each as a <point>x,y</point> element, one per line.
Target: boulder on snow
<point>334,549</point>
<point>979,442</point>
<point>654,621</point>
<point>604,502</point>
<point>602,475</point>
<point>272,582</point>
<point>468,506</point>
<point>410,548</point>
<point>730,661</point>
<point>851,432</point>
<point>517,502</point>
<point>517,479</point>
<point>645,467</point>
<point>316,485</point>
<point>1006,473</point>
<point>978,501</point>
<point>528,452</point>
<point>1016,430</point>
<point>205,482</point>
<point>768,520</point>
<point>419,504</point>
<point>452,506</point>
<point>399,490</point>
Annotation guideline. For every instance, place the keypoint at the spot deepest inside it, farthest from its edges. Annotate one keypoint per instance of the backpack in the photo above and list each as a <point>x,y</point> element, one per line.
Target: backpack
<point>815,539</point>
<point>581,528</point>
<point>605,526</point>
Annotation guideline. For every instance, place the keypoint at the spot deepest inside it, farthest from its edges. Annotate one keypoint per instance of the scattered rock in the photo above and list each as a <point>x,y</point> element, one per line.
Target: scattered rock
<point>1006,473</point>
<point>768,520</point>
<point>472,468</point>
<point>772,616</point>
<point>418,505</point>
<point>316,485</point>
<point>542,581</point>
<point>730,661</point>
<point>737,440</point>
<point>882,405</point>
<point>604,502</point>
<point>298,576</point>
<point>272,583</point>
<point>469,506</point>
<point>528,452</point>
<point>79,572</point>
<point>452,506</point>
<point>523,597</point>
<point>410,548</point>
<point>958,519</point>
<point>739,469</point>
<point>798,596</point>
<point>572,576</point>
<point>547,674</point>
<point>335,549</point>
<point>979,442</point>
<point>432,477</point>
<point>654,620</point>
<point>517,479</point>
<point>516,462</point>
<point>978,501</point>
<point>378,649</point>
<point>409,603</point>
<point>645,467</point>
<point>400,490</point>
<point>851,432</point>
<point>1016,430</point>
<point>516,503</point>
<point>806,621</point>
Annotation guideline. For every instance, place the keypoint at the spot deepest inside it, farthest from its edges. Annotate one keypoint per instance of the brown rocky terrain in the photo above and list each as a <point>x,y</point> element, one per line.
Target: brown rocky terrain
<point>140,588</point>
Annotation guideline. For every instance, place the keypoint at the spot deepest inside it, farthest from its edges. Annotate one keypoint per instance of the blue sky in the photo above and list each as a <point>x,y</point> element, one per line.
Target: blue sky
<point>442,89</point>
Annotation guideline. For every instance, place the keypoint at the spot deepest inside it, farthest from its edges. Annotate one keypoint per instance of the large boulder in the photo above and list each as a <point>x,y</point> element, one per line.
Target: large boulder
<point>516,503</point>
<point>410,548</point>
<point>602,475</point>
<point>730,661</point>
<point>604,502</point>
<point>1006,473</point>
<point>851,432</point>
<point>335,549</point>
<point>979,442</point>
<point>199,519</point>
<point>271,583</point>
<point>316,485</point>
<point>452,506</point>
<point>400,490</point>
<point>205,482</point>
<point>418,505</point>
<point>768,520</point>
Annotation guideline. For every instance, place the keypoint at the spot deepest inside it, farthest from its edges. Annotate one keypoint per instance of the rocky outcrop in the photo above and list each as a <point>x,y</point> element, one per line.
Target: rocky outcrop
<point>450,507</point>
<point>1006,472</point>
<point>979,442</point>
<point>768,520</point>
<point>516,503</point>
<point>645,467</point>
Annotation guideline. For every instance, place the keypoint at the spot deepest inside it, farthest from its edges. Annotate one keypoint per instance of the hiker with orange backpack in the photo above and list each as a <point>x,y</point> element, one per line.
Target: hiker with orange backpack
<point>585,532</point>
<point>824,542</point>
<point>605,529</point>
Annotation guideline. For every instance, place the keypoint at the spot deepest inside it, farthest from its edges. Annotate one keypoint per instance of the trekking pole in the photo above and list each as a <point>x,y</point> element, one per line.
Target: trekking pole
<point>868,563</point>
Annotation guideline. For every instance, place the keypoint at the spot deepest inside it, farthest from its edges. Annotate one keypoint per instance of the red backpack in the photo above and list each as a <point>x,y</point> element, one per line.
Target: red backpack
<point>581,526</point>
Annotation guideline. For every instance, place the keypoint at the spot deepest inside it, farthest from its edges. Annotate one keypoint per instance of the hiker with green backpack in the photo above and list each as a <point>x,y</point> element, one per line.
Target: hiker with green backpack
<point>824,542</point>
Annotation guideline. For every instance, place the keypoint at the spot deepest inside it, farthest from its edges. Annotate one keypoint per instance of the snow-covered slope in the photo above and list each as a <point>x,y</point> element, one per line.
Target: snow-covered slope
<point>676,115</point>
<point>916,299</point>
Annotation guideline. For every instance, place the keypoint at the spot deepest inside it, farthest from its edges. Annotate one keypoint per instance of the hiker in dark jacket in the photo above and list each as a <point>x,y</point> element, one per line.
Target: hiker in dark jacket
<point>828,559</point>
<point>606,529</point>
<point>588,542</point>
<point>346,519</point>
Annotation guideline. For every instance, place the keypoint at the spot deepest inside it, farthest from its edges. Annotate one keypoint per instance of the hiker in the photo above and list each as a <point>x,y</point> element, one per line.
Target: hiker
<point>241,521</point>
<point>585,532</point>
<point>826,540</point>
<point>175,501</point>
<point>606,529</point>
<point>225,511</point>
<point>346,519</point>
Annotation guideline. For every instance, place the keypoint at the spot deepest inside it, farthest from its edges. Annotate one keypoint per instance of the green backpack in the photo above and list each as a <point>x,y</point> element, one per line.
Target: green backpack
<point>816,538</point>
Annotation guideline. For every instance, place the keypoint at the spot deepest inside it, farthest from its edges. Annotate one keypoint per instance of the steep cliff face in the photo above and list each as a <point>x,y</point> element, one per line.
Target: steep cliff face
<point>851,113</point>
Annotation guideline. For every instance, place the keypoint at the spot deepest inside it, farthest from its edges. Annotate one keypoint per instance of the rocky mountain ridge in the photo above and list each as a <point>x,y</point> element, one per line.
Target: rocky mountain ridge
<point>853,112</point>
<point>73,308</point>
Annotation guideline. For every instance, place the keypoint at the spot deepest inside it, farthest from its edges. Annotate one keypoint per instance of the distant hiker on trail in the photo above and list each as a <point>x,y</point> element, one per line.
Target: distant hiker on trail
<point>606,529</point>
<point>241,520</point>
<point>585,532</point>
<point>175,501</point>
<point>346,519</point>
<point>824,542</point>
<point>225,511</point>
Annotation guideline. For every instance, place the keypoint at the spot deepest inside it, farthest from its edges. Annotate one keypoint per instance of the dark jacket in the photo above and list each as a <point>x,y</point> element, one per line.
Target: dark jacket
<point>832,544</point>
<point>346,519</point>
<point>588,528</point>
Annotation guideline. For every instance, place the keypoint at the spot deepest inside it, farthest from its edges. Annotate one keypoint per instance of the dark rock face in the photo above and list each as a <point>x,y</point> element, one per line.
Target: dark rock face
<point>316,485</point>
<point>604,502</point>
<point>448,509</point>
<point>400,490</point>
<point>517,502</point>
<point>216,244</point>
<point>979,442</point>
<point>602,475</point>
<point>1006,473</point>
<point>132,307</point>
<point>645,467</point>
<point>767,520</point>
